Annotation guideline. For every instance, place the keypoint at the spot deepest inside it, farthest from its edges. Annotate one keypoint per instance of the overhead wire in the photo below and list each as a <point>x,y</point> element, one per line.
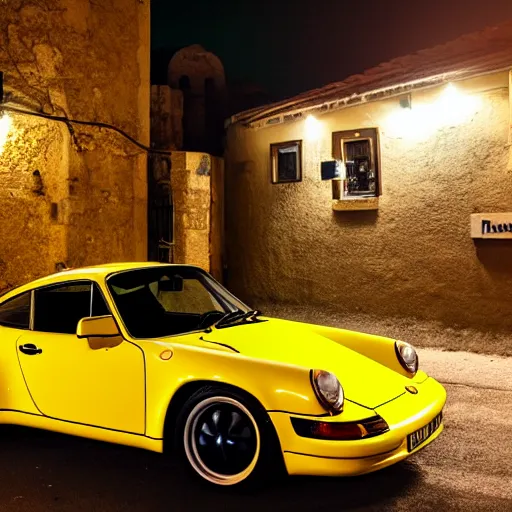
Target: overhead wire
<point>69,122</point>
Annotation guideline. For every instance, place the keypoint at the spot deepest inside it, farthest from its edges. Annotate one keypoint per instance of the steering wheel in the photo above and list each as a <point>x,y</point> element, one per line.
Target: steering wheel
<point>207,316</point>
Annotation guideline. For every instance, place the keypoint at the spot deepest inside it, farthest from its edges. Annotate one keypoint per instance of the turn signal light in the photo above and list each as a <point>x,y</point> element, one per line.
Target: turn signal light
<point>341,431</point>
<point>338,431</point>
<point>166,355</point>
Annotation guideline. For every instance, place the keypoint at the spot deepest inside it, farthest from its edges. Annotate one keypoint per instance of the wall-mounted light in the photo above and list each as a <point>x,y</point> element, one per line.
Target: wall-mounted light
<point>451,108</point>
<point>406,101</point>
<point>5,128</point>
<point>313,128</point>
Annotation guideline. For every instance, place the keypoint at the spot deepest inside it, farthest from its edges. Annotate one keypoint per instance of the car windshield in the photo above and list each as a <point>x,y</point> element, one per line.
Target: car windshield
<point>170,300</point>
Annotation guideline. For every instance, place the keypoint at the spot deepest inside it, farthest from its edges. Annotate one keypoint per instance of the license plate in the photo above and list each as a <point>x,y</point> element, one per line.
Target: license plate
<point>422,434</point>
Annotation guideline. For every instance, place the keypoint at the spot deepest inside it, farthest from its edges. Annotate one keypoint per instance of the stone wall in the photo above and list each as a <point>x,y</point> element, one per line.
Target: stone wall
<point>166,118</point>
<point>199,74</point>
<point>73,194</point>
<point>198,210</point>
<point>413,256</point>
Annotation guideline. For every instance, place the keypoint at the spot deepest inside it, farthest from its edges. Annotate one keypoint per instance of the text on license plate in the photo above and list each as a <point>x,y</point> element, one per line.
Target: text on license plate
<point>422,434</point>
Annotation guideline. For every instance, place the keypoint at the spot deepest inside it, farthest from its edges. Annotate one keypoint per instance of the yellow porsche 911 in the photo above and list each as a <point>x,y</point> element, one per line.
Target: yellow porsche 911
<point>156,356</point>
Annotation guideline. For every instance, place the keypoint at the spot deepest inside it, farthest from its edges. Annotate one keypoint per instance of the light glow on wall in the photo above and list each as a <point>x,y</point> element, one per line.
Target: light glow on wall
<point>5,128</point>
<point>313,128</point>
<point>451,108</point>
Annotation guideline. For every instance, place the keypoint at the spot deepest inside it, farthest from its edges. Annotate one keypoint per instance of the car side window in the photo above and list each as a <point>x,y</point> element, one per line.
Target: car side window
<point>99,306</point>
<point>16,312</point>
<point>59,308</point>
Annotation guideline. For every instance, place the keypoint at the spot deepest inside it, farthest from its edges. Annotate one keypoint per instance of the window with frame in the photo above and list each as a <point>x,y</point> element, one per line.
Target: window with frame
<point>15,312</point>
<point>359,151</point>
<point>286,162</point>
<point>59,308</point>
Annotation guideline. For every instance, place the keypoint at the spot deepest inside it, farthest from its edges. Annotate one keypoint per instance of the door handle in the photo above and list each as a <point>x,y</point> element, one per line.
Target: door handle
<point>30,349</point>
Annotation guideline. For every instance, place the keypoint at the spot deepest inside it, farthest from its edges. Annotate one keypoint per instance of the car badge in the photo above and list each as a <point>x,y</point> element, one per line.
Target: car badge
<point>411,390</point>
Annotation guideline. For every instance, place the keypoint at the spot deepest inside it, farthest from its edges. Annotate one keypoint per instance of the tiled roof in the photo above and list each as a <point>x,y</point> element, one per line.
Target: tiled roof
<point>470,55</point>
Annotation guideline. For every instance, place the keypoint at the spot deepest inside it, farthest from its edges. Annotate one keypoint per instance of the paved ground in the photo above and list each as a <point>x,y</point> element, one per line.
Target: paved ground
<point>421,333</point>
<point>469,468</point>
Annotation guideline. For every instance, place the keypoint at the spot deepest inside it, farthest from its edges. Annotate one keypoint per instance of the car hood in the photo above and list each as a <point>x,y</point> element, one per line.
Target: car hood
<point>364,381</point>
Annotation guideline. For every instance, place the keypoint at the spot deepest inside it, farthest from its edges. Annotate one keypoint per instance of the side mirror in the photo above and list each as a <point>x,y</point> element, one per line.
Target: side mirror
<point>101,331</point>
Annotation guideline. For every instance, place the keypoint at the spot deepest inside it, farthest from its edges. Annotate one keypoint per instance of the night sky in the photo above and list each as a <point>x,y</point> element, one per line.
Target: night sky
<point>288,47</point>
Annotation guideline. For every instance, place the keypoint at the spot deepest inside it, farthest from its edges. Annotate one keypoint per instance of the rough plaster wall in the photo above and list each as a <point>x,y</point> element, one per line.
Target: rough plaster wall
<point>412,257</point>
<point>217,219</point>
<point>87,60</point>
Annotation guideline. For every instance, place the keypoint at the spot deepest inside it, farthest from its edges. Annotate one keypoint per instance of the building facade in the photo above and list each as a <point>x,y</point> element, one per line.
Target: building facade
<point>359,197</point>
<point>72,194</point>
<point>186,187</point>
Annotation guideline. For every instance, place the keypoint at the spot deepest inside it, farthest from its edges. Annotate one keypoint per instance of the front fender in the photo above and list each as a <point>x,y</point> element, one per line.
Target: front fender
<point>277,386</point>
<point>378,348</point>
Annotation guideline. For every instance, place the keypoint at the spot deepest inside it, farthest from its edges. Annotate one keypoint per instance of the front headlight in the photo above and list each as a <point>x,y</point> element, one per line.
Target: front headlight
<point>328,390</point>
<point>407,356</point>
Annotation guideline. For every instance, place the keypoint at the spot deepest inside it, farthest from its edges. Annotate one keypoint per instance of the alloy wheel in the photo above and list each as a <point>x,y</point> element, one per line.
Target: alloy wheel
<point>222,440</point>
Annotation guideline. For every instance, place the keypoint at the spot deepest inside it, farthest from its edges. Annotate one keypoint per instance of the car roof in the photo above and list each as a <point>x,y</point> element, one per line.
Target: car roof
<point>96,271</point>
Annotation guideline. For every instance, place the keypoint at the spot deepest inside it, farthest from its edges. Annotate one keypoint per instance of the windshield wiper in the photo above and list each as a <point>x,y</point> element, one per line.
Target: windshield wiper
<point>229,317</point>
<point>237,316</point>
<point>251,315</point>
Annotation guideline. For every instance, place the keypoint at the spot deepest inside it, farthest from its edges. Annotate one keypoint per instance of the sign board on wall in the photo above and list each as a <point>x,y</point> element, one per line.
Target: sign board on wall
<point>491,225</point>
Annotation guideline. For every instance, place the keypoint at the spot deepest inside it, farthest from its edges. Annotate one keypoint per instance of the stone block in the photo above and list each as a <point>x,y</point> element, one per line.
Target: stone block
<point>197,249</point>
<point>166,117</point>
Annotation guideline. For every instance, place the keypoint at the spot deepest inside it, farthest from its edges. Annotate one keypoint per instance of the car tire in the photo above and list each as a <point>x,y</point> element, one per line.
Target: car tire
<point>227,438</point>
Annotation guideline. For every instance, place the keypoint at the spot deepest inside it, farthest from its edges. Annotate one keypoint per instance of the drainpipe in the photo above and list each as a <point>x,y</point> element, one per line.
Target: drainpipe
<point>509,166</point>
<point>510,107</point>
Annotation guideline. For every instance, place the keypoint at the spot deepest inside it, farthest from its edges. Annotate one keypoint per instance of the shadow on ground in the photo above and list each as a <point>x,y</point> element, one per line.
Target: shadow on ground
<point>42,471</point>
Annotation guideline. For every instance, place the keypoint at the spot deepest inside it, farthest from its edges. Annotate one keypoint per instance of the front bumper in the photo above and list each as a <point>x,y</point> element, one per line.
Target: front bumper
<point>404,415</point>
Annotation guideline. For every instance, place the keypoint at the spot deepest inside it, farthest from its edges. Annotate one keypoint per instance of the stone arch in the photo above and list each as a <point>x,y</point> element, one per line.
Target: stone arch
<point>199,74</point>
<point>198,64</point>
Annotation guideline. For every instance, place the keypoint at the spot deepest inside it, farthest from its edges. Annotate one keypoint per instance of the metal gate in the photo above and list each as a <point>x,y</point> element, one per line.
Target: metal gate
<point>160,210</point>
<point>160,235</point>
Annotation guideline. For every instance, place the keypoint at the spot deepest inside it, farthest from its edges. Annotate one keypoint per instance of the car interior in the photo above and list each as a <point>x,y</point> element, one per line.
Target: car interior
<point>60,311</point>
<point>145,317</point>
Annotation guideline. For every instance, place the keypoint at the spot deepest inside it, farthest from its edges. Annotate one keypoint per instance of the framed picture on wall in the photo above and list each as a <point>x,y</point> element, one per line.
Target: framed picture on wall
<point>286,162</point>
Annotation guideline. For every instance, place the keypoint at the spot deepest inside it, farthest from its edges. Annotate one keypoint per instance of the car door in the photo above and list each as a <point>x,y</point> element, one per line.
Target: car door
<point>67,379</point>
<point>14,322</point>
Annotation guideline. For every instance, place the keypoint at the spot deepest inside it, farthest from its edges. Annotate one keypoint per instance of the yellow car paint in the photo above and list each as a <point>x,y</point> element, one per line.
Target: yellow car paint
<point>14,394</point>
<point>363,379</point>
<point>121,393</point>
<point>426,405</point>
<point>103,388</point>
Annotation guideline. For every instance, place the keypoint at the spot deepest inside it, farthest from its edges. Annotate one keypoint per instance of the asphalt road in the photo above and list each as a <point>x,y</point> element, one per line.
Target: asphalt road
<point>469,468</point>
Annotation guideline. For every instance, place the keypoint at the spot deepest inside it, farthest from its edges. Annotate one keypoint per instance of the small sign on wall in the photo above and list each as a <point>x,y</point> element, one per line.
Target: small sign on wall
<point>491,225</point>
<point>333,169</point>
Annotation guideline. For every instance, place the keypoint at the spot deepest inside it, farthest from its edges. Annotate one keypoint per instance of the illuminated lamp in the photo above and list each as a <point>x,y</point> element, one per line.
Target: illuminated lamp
<point>5,120</point>
<point>5,128</point>
<point>452,107</point>
<point>406,101</point>
<point>313,128</point>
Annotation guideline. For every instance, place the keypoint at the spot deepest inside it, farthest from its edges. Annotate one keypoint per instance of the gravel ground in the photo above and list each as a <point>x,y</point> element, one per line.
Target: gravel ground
<point>468,369</point>
<point>418,332</point>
